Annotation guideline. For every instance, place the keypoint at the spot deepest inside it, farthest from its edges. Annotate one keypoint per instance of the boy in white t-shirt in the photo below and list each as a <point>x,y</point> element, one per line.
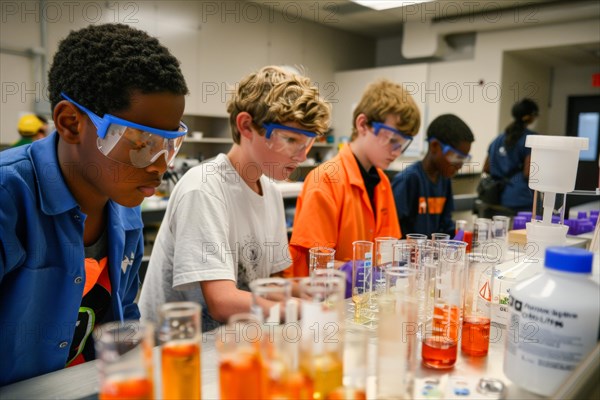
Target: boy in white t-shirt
<point>225,224</point>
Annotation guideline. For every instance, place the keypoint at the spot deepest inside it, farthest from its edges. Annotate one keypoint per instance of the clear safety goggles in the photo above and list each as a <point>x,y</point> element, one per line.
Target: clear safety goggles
<point>390,136</point>
<point>453,155</point>
<point>288,140</point>
<point>134,144</point>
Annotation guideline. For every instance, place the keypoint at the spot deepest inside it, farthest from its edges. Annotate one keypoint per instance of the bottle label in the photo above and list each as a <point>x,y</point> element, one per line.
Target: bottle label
<point>556,340</point>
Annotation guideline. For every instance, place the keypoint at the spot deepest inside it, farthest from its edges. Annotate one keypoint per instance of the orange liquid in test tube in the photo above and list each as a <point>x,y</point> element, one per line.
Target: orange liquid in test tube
<point>439,353</point>
<point>446,322</point>
<point>132,388</point>
<point>440,349</point>
<point>475,336</point>
<point>181,370</point>
<point>294,386</point>
<point>243,376</point>
<point>345,393</point>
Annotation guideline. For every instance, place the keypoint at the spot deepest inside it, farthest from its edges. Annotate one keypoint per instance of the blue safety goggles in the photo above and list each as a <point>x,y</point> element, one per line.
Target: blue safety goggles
<point>134,144</point>
<point>453,155</point>
<point>288,140</point>
<point>388,135</point>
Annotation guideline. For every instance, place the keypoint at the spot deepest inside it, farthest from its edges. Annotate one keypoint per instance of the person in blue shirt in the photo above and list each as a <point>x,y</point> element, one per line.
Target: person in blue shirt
<point>423,191</point>
<point>70,226</point>
<point>508,159</point>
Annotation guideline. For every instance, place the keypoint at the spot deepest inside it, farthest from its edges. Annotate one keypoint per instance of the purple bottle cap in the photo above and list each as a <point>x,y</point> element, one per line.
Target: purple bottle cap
<point>519,222</point>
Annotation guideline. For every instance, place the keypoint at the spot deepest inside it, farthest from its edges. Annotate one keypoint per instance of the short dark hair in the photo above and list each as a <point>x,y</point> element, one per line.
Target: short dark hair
<point>101,66</point>
<point>450,129</point>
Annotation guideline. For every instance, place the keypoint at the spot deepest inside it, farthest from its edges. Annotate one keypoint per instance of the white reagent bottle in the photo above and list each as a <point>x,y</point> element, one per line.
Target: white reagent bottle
<point>554,321</point>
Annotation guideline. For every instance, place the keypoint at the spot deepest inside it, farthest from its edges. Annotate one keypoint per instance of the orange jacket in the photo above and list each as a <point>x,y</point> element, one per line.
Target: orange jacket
<point>334,210</point>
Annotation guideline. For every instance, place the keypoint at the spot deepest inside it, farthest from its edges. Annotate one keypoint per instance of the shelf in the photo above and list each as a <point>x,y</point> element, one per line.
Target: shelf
<point>209,140</point>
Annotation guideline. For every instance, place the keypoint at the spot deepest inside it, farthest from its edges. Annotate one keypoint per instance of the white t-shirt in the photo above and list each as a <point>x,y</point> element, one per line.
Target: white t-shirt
<point>215,228</point>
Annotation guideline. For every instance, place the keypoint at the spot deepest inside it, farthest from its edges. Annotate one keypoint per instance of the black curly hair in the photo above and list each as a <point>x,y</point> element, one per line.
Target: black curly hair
<point>100,67</point>
<point>450,129</point>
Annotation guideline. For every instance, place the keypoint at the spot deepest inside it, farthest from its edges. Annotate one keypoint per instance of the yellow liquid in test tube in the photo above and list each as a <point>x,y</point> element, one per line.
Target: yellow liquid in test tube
<point>326,372</point>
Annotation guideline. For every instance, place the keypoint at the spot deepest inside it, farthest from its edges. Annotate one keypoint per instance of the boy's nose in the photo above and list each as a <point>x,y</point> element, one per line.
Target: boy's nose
<point>159,166</point>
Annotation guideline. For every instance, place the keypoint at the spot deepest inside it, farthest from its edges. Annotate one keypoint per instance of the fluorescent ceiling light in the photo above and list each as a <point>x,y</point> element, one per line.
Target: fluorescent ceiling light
<point>387,4</point>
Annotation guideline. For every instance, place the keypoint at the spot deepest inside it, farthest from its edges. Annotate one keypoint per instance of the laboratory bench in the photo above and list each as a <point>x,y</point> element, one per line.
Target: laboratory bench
<point>81,382</point>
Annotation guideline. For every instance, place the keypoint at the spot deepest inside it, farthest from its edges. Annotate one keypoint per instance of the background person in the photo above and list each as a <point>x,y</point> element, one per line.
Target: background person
<point>31,127</point>
<point>508,159</point>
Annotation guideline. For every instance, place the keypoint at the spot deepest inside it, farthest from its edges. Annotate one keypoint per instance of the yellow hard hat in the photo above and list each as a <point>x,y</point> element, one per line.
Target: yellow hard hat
<point>29,125</point>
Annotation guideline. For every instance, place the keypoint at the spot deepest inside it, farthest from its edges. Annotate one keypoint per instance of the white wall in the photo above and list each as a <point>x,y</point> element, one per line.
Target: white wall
<point>524,78</point>
<point>478,90</point>
<point>217,43</point>
<point>352,85</point>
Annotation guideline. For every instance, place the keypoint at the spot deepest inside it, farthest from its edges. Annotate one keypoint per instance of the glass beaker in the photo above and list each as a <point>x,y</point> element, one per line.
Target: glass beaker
<point>418,238</point>
<point>320,258</point>
<point>179,334</point>
<point>242,371</point>
<point>439,236</point>
<point>124,353</point>
<point>477,310</point>
<point>269,298</point>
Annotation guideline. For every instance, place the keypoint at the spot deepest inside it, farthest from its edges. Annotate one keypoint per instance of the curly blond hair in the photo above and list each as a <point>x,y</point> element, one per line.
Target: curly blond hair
<point>382,98</point>
<point>276,95</point>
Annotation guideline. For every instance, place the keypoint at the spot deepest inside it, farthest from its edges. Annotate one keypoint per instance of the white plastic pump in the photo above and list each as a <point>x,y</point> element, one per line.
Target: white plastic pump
<point>553,171</point>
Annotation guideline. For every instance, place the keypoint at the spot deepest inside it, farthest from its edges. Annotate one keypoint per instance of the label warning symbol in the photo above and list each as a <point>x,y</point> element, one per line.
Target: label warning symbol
<point>485,291</point>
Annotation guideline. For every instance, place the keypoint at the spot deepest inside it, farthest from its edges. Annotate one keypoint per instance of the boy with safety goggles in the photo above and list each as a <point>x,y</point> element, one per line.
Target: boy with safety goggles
<point>225,223</point>
<point>70,245</point>
<point>349,198</point>
<point>423,191</point>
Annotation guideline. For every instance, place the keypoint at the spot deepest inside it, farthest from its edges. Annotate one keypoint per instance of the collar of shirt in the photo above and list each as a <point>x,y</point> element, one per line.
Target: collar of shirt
<point>55,196</point>
<point>371,177</point>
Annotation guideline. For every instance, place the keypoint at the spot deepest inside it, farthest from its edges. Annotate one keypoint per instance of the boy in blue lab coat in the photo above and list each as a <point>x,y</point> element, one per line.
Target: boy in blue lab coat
<point>70,226</point>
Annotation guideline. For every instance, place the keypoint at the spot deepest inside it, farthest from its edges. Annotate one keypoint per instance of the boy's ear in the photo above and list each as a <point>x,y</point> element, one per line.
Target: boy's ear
<point>67,120</point>
<point>434,147</point>
<point>243,122</point>
<point>362,124</point>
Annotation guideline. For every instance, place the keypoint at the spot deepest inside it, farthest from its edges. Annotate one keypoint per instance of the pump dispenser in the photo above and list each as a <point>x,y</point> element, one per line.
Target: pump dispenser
<point>553,171</point>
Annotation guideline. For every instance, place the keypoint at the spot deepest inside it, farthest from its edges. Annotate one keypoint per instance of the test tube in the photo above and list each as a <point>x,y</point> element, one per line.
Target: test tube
<point>362,280</point>
<point>397,334</point>
<point>440,337</point>
<point>384,252</point>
